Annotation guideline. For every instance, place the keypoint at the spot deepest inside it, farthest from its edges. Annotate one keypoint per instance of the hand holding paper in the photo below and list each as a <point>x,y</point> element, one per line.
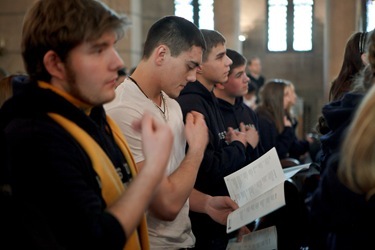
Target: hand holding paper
<point>257,188</point>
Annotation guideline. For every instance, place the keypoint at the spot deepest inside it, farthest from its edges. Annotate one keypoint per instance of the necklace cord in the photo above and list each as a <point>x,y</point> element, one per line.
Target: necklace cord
<point>165,108</point>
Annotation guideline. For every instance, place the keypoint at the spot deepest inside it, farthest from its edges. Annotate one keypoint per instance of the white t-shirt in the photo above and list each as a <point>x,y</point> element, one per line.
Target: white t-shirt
<point>129,105</point>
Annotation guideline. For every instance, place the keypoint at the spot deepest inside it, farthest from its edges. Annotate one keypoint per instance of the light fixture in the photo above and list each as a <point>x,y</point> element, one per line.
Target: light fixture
<point>242,38</point>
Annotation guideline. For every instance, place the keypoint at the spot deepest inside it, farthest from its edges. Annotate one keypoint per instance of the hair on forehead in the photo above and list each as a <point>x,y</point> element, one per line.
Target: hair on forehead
<point>213,38</point>
<point>177,33</point>
<point>60,26</point>
<point>237,59</point>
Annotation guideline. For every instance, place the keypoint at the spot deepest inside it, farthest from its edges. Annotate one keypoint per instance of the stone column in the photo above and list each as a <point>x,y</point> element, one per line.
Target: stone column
<point>342,20</point>
<point>227,22</point>
<point>127,47</point>
<point>136,33</point>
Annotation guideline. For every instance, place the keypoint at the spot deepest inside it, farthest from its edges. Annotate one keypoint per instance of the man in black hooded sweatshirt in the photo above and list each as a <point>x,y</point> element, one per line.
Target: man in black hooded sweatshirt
<point>226,151</point>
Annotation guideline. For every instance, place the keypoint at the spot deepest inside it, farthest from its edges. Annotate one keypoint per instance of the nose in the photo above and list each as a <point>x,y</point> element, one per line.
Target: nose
<point>192,76</point>
<point>228,61</point>
<point>246,78</point>
<point>116,62</point>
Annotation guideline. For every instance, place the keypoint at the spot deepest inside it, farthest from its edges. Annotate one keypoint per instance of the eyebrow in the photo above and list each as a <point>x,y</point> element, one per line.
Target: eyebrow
<point>98,45</point>
<point>196,64</point>
<point>102,43</point>
<point>240,73</point>
<point>220,55</point>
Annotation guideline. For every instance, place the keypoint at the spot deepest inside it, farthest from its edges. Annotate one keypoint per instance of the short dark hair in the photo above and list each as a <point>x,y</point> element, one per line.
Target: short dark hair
<point>237,59</point>
<point>61,25</point>
<point>175,32</point>
<point>213,38</point>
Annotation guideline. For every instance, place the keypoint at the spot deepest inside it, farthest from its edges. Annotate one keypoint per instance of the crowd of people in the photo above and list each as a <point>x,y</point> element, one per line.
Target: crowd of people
<point>93,157</point>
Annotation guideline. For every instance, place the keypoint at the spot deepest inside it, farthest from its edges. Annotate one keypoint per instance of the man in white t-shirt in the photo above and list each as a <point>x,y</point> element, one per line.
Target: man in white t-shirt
<point>172,52</point>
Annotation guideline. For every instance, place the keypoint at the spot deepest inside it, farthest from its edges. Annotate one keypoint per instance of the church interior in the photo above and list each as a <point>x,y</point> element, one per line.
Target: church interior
<point>248,27</point>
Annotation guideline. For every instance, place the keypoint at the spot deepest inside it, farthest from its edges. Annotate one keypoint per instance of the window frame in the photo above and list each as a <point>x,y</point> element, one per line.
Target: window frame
<point>365,21</point>
<point>290,29</point>
<point>196,9</point>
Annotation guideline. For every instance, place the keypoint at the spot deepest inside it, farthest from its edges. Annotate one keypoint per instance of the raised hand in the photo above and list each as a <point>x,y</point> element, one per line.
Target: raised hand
<point>252,136</point>
<point>157,140</point>
<point>196,131</point>
<point>233,135</point>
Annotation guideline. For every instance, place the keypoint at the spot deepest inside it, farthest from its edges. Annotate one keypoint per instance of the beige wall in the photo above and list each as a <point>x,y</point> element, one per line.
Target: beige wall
<point>311,72</point>
<point>130,47</point>
<point>11,16</point>
<point>341,21</point>
<point>226,21</point>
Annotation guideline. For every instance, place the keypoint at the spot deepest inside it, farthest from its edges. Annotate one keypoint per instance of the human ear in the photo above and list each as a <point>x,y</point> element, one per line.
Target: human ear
<point>53,64</point>
<point>219,86</point>
<point>200,69</point>
<point>364,58</point>
<point>160,53</point>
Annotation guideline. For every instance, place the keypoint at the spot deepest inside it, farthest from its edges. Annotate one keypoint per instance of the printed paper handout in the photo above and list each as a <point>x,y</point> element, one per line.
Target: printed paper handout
<point>291,171</point>
<point>258,189</point>
<point>264,239</point>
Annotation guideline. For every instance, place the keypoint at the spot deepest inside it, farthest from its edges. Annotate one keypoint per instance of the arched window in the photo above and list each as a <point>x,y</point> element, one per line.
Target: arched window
<point>200,12</point>
<point>290,24</point>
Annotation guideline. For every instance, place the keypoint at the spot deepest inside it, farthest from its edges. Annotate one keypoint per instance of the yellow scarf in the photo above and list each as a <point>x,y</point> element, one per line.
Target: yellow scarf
<point>112,186</point>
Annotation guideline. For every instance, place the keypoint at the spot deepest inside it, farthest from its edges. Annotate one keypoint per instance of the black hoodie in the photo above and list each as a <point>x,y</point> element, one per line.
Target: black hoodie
<point>341,219</point>
<point>220,159</point>
<point>234,115</point>
<point>338,115</point>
